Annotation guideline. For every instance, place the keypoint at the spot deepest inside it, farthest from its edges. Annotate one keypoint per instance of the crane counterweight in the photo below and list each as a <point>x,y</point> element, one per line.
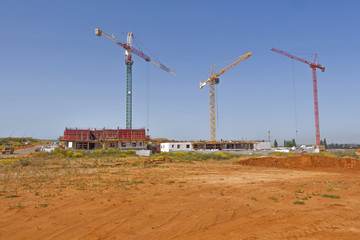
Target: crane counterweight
<point>98,32</point>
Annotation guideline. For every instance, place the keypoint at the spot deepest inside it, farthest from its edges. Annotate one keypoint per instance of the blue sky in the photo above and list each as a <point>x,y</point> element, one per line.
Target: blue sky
<point>56,73</point>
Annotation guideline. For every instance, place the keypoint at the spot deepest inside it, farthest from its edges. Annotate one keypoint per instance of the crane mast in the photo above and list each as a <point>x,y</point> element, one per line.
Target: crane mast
<point>313,66</point>
<point>129,62</point>
<point>212,80</point>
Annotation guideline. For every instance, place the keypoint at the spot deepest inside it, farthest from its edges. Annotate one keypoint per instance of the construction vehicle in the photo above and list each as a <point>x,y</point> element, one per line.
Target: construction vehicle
<point>8,149</point>
<point>214,79</point>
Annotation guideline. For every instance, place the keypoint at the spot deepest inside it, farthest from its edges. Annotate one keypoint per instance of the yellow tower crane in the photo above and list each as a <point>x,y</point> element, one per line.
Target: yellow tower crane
<point>214,79</point>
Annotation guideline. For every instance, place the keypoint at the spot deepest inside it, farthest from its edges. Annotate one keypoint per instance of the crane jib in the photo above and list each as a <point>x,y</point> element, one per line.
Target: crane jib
<point>98,32</point>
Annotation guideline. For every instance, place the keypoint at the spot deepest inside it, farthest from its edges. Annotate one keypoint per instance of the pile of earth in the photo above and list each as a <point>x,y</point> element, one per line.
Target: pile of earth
<point>303,162</point>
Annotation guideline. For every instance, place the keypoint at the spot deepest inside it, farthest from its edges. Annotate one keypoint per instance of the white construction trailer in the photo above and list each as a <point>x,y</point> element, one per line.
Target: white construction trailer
<point>176,147</point>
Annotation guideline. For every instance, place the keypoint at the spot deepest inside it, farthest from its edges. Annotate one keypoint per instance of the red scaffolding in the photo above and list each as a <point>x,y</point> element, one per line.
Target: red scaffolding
<point>103,134</point>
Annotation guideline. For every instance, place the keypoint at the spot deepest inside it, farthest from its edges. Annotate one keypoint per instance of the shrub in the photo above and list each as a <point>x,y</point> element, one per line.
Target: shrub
<point>130,152</point>
<point>99,151</point>
<point>178,154</point>
<point>78,155</point>
<point>340,154</point>
<point>24,162</point>
<point>112,150</point>
<point>68,153</point>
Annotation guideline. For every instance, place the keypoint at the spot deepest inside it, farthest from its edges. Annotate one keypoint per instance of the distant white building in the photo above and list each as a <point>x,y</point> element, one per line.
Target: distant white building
<point>189,146</point>
<point>176,147</point>
<point>282,149</point>
<point>262,146</point>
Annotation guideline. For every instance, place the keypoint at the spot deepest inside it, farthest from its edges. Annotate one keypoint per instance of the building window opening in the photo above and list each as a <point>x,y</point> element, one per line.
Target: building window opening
<point>178,146</point>
<point>91,146</point>
<point>187,145</point>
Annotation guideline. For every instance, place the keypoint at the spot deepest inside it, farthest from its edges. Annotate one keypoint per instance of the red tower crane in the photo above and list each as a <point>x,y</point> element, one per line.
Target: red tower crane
<point>313,66</point>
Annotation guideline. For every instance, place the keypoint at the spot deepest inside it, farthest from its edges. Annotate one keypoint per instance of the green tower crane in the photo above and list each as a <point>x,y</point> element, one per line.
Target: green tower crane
<point>129,62</point>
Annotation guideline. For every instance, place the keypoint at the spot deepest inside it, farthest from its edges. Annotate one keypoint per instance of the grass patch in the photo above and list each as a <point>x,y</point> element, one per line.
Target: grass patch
<point>81,187</point>
<point>137,181</point>
<point>19,206</point>
<point>297,202</point>
<point>44,205</point>
<point>281,154</point>
<point>330,196</point>
<point>24,162</point>
<point>12,196</point>
<point>222,192</point>
<point>197,156</point>
<point>273,198</point>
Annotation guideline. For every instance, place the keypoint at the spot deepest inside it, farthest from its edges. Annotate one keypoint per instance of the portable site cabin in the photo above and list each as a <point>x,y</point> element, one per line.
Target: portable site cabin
<point>176,147</point>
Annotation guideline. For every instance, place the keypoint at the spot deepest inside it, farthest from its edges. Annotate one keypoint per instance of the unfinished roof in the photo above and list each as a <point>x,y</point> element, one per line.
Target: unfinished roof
<point>96,135</point>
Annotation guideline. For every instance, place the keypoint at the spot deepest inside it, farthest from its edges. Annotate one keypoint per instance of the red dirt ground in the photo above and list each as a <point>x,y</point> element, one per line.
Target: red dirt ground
<point>210,200</point>
<point>303,162</point>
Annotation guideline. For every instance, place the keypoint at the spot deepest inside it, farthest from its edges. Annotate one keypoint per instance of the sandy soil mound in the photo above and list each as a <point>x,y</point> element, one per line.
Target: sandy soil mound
<point>304,162</point>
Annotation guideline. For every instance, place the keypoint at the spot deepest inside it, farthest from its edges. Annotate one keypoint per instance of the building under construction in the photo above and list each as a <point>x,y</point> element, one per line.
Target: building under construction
<point>223,145</point>
<point>90,139</point>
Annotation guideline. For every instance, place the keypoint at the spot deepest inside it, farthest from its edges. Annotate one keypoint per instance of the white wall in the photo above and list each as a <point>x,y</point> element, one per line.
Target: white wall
<point>262,145</point>
<point>164,147</point>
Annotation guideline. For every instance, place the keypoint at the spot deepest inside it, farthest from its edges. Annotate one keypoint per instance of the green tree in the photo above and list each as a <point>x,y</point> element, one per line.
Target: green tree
<point>290,144</point>
<point>275,143</point>
<point>325,143</point>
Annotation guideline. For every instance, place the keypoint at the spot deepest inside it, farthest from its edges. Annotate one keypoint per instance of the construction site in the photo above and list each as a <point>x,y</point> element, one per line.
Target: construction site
<point>125,166</point>
<point>91,139</point>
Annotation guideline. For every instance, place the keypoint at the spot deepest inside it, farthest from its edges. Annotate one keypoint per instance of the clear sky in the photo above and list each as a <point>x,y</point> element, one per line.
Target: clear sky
<point>56,73</point>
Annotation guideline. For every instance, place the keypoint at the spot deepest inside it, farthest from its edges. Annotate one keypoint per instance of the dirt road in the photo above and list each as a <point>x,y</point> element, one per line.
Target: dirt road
<point>181,201</point>
<point>20,152</point>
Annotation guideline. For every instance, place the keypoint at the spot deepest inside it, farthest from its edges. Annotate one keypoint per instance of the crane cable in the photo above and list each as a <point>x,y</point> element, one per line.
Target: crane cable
<point>138,43</point>
<point>295,107</point>
<point>227,61</point>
